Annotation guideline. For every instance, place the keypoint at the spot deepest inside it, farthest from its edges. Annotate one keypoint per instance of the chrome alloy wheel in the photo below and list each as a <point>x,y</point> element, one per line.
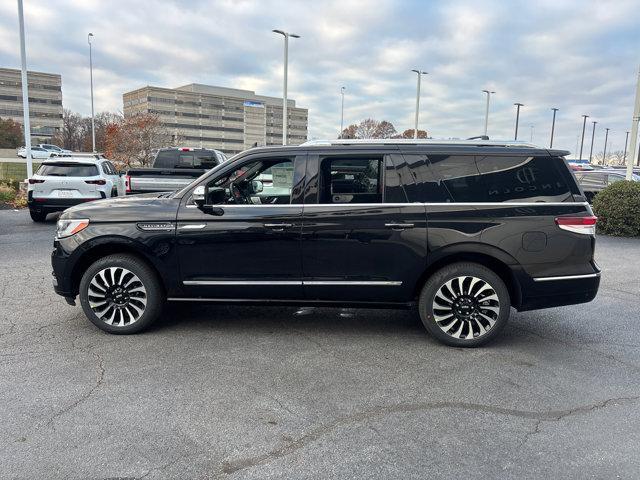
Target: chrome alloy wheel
<point>117,296</point>
<point>466,307</point>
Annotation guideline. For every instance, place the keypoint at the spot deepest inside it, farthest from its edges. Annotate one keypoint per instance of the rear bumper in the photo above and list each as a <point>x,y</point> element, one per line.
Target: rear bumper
<point>58,204</point>
<point>546,292</point>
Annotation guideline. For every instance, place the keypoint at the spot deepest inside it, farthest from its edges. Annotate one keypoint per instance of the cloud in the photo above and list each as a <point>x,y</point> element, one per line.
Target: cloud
<point>578,56</point>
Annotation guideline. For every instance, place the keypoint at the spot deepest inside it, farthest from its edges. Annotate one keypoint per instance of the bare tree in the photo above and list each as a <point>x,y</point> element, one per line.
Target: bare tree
<point>132,140</point>
<point>369,128</point>
<point>409,134</point>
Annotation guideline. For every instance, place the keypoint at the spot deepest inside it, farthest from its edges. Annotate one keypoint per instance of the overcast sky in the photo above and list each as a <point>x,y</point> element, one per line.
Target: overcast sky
<point>579,56</point>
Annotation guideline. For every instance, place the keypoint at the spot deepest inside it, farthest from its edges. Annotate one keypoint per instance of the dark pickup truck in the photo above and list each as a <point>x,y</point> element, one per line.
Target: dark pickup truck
<point>173,169</point>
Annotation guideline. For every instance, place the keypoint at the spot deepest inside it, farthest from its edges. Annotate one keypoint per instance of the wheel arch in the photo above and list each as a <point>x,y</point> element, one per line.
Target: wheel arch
<point>107,247</point>
<point>498,261</point>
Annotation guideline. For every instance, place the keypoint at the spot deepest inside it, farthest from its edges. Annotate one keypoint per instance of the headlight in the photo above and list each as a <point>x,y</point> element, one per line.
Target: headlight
<point>66,228</point>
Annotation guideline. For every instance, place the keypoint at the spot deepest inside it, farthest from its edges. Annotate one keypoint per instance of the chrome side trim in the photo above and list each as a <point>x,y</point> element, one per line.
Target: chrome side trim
<point>242,282</point>
<point>375,283</point>
<point>433,204</point>
<point>566,277</point>
<point>380,283</point>
<point>193,226</point>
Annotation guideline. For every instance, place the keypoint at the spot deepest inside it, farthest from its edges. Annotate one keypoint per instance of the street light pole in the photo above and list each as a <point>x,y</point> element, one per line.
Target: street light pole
<point>342,89</point>
<point>553,126</point>
<point>593,135</point>
<point>285,118</point>
<point>584,124</point>
<point>486,112</point>
<point>25,93</point>
<point>634,131</point>
<point>419,73</point>
<point>93,127</point>
<point>626,139</point>
<point>518,105</point>
<point>604,155</point>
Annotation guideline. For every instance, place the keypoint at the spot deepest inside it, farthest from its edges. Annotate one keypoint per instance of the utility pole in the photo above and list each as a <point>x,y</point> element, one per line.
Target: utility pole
<point>486,112</point>
<point>634,131</point>
<point>593,134</point>
<point>626,139</point>
<point>584,124</point>
<point>25,93</point>
<point>342,89</point>
<point>553,125</point>
<point>420,73</point>
<point>285,118</point>
<point>93,127</point>
<point>518,105</point>
<point>604,155</point>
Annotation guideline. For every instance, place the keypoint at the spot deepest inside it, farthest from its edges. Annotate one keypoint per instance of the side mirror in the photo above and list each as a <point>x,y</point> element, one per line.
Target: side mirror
<point>257,186</point>
<point>199,196</point>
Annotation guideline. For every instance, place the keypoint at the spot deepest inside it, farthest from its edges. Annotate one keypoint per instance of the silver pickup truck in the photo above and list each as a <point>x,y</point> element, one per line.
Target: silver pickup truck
<point>173,168</point>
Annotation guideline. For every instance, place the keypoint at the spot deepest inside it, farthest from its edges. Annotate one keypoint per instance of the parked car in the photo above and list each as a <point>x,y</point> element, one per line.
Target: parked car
<point>55,149</point>
<point>36,152</point>
<point>173,169</point>
<point>462,231</point>
<point>61,183</point>
<point>594,181</point>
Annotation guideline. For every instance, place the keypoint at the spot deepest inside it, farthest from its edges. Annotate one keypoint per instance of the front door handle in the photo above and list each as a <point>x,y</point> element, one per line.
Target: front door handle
<point>278,227</point>
<point>399,226</point>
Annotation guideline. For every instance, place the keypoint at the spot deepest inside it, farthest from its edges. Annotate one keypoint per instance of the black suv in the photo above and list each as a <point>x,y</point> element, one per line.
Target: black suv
<point>461,230</point>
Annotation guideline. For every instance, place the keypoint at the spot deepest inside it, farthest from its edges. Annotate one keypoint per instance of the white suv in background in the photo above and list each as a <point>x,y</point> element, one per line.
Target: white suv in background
<point>61,183</point>
<point>36,152</point>
<point>55,149</point>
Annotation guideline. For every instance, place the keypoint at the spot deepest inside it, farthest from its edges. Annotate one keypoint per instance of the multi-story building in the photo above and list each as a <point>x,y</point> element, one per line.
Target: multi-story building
<point>45,101</point>
<point>227,119</point>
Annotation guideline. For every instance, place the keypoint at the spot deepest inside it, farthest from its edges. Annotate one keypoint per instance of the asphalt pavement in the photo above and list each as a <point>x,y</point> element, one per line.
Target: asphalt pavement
<point>260,393</point>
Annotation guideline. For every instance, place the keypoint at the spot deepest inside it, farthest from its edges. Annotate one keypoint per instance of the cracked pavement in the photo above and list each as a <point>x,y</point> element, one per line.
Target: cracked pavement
<point>256,392</point>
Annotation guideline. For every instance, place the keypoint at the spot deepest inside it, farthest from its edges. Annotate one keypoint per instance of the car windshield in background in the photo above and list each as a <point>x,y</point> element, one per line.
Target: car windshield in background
<point>67,170</point>
<point>186,159</point>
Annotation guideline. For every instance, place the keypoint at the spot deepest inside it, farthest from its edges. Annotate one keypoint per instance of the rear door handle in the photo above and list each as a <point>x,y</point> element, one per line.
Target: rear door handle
<point>399,226</point>
<point>278,227</point>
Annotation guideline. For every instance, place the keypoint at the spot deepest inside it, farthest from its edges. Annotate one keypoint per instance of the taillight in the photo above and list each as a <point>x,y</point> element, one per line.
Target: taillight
<point>127,183</point>
<point>34,180</point>
<point>96,182</point>
<point>584,225</point>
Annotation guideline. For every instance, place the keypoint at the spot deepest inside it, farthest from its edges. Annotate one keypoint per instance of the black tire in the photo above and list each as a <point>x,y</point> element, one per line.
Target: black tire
<point>38,216</point>
<point>469,303</point>
<point>110,268</point>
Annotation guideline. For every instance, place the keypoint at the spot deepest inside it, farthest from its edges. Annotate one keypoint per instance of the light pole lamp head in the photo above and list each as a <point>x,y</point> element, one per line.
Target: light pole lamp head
<point>555,109</point>
<point>420,72</point>
<point>89,37</point>
<point>342,89</point>
<point>517,104</point>
<point>286,34</point>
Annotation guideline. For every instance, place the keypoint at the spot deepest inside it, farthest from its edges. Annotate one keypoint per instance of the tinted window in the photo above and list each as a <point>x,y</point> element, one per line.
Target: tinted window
<point>393,188</point>
<point>497,178</point>
<point>351,180</point>
<point>68,170</point>
<point>185,159</point>
<point>205,160</point>
<point>421,184</point>
<point>106,168</point>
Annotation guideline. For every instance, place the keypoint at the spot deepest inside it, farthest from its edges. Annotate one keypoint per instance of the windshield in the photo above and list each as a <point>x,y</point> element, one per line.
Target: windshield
<point>67,170</point>
<point>179,193</point>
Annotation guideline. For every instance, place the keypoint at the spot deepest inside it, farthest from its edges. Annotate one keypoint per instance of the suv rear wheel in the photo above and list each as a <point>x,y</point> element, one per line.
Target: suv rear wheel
<point>121,294</point>
<point>38,216</point>
<point>464,305</point>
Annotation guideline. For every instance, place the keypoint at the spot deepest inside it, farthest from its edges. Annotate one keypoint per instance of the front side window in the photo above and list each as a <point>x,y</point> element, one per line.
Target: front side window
<point>262,182</point>
<point>351,180</point>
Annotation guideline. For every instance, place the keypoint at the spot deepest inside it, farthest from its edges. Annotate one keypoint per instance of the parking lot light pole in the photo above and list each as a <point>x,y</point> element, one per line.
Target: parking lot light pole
<point>25,93</point>
<point>419,73</point>
<point>486,112</point>
<point>342,89</point>
<point>553,125</point>
<point>593,135</point>
<point>93,126</point>
<point>624,155</point>
<point>518,105</point>
<point>285,119</point>
<point>604,155</point>
<point>584,124</point>
<point>634,131</point>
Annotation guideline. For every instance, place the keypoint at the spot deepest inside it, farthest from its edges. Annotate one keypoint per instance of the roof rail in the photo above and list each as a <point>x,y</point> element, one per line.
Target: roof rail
<point>411,141</point>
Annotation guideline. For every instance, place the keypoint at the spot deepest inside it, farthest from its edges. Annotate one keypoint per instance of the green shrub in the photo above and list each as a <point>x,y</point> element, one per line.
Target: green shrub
<point>618,209</point>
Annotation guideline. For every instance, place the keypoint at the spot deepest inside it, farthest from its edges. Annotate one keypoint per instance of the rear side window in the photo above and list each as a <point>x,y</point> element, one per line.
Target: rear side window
<point>420,183</point>
<point>495,178</point>
<point>351,180</point>
<point>67,170</point>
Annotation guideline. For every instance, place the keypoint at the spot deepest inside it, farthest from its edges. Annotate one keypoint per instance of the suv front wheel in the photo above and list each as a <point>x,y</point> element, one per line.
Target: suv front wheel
<point>464,305</point>
<point>121,294</point>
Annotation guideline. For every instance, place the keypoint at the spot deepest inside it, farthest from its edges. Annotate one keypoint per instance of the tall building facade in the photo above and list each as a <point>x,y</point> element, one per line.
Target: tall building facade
<point>45,101</point>
<point>227,119</point>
